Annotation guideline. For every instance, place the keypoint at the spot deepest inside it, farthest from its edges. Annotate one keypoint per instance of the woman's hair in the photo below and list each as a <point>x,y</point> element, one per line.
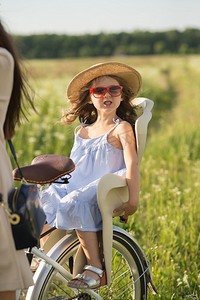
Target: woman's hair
<point>20,91</point>
<point>86,112</point>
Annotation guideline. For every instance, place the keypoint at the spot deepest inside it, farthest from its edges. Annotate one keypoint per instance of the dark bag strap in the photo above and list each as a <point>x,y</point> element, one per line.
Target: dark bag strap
<point>12,149</point>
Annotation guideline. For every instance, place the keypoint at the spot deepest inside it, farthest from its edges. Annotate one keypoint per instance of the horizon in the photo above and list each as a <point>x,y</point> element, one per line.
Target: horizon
<point>25,17</point>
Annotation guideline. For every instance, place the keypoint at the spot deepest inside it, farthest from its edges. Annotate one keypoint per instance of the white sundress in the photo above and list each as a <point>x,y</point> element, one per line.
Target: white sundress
<point>74,205</point>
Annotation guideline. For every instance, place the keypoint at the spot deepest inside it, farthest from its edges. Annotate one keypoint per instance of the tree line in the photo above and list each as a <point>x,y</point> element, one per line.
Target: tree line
<point>109,44</point>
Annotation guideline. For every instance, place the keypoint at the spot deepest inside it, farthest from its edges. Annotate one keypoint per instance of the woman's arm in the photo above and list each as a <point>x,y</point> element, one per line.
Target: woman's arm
<point>127,139</point>
<point>6,74</point>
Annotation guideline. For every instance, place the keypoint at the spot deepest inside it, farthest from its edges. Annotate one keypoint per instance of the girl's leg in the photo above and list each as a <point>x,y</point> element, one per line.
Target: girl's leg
<point>44,239</point>
<point>8,295</point>
<point>90,245</point>
<point>100,241</point>
<point>79,261</point>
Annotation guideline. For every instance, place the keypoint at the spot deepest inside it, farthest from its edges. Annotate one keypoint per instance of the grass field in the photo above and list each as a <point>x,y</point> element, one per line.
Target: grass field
<point>167,223</point>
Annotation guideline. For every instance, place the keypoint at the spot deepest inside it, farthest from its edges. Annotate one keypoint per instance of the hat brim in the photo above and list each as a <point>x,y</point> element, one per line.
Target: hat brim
<point>127,73</point>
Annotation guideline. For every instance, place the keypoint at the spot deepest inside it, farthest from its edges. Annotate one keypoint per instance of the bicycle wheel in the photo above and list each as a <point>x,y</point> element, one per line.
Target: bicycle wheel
<point>128,280</point>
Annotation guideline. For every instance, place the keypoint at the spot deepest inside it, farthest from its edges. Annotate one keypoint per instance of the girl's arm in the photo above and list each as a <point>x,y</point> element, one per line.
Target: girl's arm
<point>127,139</point>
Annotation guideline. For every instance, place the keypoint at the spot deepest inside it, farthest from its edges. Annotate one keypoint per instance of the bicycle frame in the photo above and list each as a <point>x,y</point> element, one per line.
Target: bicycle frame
<point>63,273</point>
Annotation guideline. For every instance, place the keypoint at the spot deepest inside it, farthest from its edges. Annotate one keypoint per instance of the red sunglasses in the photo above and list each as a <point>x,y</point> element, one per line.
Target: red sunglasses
<point>100,91</point>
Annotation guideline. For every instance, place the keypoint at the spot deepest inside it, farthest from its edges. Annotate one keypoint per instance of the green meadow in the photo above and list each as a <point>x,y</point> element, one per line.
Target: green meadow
<point>167,223</point>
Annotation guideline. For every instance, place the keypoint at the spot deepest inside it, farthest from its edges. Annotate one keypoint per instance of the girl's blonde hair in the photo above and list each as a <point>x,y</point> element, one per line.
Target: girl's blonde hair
<point>87,113</point>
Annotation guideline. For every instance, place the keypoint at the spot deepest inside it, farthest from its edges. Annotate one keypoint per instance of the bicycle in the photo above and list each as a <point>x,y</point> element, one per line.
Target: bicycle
<point>130,274</point>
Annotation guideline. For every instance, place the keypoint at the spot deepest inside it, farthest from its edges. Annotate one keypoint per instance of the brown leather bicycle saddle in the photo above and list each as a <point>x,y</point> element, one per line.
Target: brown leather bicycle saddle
<point>45,169</point>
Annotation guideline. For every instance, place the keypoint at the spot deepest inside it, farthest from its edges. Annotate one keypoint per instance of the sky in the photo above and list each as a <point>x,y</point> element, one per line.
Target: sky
<point>76,17</point>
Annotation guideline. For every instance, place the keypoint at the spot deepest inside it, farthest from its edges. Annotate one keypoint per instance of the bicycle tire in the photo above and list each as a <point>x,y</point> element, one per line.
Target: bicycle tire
<point>128,279</point>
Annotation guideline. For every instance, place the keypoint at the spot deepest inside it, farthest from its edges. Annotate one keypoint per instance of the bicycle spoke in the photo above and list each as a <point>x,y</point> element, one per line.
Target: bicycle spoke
<point>119,295</point>
<point>125,277</point>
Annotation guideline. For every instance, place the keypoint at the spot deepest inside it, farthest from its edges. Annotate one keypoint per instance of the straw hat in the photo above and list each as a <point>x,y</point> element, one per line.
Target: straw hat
<point>130,75</point>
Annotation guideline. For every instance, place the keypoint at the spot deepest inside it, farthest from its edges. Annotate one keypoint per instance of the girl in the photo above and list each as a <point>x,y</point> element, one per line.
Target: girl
<point>14,268</point>
<point>105,143</point>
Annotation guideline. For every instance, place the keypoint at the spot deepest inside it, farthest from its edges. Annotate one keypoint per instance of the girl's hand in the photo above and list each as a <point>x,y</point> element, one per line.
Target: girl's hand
<point>128,208</point>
